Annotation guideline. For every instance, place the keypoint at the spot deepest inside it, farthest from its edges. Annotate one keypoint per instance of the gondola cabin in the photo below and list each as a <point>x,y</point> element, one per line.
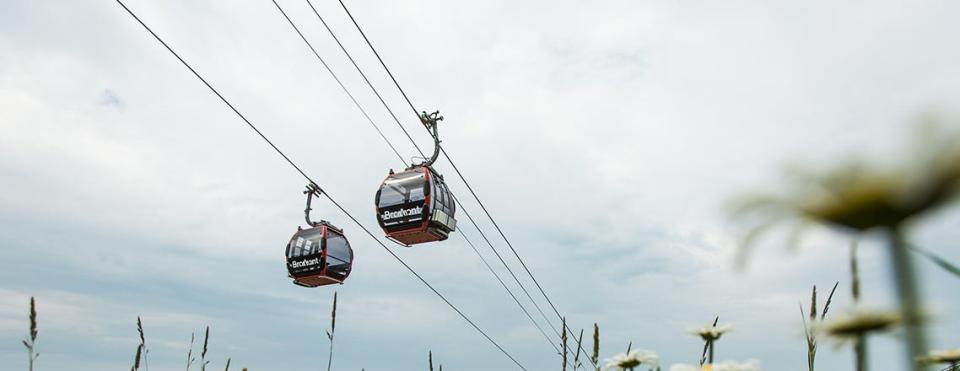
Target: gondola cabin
<point>415,206</point>
<point>318,256</point>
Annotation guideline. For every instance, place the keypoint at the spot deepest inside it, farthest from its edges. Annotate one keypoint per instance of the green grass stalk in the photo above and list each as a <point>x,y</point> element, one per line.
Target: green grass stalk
<point>860,345</point>
<point>576,358</point>
<point>563,341</point>
<point>333,328</point>
<point>203,354</point>
<point>31,341</point>
<point>190,357</point>
<point>595,357</point>
<point>909,293</point>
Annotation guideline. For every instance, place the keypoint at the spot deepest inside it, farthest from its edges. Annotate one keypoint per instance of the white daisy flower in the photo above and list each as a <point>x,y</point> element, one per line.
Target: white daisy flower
<point>711,333</point>
<point>631,360</point>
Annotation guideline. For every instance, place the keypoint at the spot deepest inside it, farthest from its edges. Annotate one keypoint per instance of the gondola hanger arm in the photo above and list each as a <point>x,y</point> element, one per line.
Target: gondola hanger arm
<point>312,190</point>
<point>430,122</point>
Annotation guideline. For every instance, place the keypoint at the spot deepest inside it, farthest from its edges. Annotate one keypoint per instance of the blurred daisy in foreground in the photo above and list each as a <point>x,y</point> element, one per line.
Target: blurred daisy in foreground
<point>862,196</point>
<point>859,196</point>
<point>854,325</point>
<point>949,357</point>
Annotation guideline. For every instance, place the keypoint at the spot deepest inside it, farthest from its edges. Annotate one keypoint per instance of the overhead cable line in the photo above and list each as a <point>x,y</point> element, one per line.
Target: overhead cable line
<point>307,177</point>
<point>504,262</point>
<point>327,67</point>
<point>357,67</point>
<point>485,263</point>
<point>405,97</point>
<point>460,174</point>
<point>367,80</point>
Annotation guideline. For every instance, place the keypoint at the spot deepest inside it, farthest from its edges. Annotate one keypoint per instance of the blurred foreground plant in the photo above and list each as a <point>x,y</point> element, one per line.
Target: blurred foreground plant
<point>860,197</point>
<point>950,357</point>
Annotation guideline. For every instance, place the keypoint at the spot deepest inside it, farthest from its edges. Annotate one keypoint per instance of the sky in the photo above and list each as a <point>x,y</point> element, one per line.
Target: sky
<point>607,138</point>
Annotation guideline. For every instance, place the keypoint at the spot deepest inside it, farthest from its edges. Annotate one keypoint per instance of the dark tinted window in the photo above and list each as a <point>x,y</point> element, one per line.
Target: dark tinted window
<point>444,198</point>
<point>402,188</point>
<point>305,242</point>
<point>339,255</point>
<point>338,249</point>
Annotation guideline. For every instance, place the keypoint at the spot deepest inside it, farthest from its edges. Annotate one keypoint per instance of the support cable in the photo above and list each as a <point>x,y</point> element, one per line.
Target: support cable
<point>472,192</point>
<point>504,262</point>
<point>307,177</point>
<point>327,67</point>
<point>537,325</point>
<point>357,67</point>
<point>366,79</point>
<point>405,97</point>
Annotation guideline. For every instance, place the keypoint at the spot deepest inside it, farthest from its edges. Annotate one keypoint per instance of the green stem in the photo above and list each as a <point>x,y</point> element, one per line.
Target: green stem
<point>710,356</point>
<point>860,348</point>
<point>909,293</point>
<point>330,355</point>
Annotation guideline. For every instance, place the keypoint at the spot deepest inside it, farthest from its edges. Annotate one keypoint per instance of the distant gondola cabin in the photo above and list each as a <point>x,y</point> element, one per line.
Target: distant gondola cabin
<point>320,255</point>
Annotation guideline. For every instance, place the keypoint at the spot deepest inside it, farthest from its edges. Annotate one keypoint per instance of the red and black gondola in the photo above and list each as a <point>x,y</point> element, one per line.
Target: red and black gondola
<point>416,206</point>
<point>320,254</point>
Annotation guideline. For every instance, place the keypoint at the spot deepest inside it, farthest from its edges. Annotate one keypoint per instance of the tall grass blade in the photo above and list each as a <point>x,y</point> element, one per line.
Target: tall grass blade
<point>143,345</point>
<point>31,344</point>
<point>190,357</point>
<point>563,340</point>
<point>203,355</point>
<point>826,306</point>
<point>136,359</point>
<point>576,358</point>
<point>595,357</point>
<point>808,334</point>
<point>333,328</point>
<point>947,266</point>
<point>33,320</point>
<point>813,304</point>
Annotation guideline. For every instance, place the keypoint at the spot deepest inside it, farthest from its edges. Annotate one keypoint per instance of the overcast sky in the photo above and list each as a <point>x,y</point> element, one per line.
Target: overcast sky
<point>606,137</point>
